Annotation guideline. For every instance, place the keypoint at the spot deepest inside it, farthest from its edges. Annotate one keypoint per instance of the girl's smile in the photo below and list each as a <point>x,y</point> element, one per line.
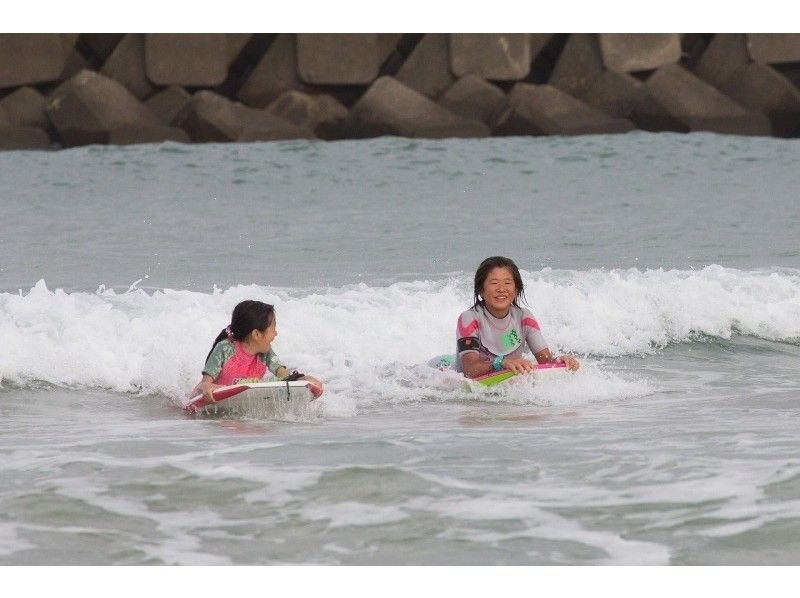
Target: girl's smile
<point>499,291</point>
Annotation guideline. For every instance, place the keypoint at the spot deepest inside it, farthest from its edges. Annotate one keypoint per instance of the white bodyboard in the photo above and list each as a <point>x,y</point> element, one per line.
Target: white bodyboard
<point>258,399</point>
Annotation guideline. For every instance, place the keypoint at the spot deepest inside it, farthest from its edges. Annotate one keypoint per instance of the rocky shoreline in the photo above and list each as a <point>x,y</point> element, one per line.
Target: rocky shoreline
<point>70,89</point>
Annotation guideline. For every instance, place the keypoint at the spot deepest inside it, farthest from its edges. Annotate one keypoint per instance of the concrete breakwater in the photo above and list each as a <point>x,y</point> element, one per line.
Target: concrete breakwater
<point>72,89</point>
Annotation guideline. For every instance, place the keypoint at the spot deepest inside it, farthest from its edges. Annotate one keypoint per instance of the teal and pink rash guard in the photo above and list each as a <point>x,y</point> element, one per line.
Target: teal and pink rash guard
<point>229,363</point>
<point>478,331</point>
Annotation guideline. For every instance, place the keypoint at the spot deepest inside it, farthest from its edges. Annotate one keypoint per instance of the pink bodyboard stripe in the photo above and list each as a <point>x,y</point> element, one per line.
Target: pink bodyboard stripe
<point>199,401</point>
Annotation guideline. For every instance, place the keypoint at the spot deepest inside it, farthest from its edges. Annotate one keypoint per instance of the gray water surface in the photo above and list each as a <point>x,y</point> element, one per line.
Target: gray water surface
<point>668,264</point>
<point>316,213</point>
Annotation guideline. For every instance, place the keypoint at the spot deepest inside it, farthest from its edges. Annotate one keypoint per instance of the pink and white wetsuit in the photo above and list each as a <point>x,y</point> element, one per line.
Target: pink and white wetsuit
<point>229,363</point>
<point>478,331</point>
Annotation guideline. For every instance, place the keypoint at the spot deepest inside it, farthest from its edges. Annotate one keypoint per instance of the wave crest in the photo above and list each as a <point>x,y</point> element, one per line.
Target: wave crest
<point>360,336</point>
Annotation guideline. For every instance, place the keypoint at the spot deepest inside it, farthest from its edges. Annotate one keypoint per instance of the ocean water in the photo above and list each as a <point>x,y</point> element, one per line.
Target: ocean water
<point>669,264</point>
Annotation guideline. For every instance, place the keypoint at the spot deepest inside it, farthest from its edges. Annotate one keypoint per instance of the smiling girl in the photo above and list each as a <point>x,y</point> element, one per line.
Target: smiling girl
<point>492,334</point>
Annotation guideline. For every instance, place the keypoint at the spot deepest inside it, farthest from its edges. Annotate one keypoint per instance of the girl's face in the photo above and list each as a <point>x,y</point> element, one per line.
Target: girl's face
<point>262,339</point>
<point>499,291</point>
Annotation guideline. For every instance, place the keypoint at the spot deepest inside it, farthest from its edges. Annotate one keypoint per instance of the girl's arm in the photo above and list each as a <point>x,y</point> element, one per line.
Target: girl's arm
<point>538,346</point>
<point>474,366</point>
<point>544,356</point>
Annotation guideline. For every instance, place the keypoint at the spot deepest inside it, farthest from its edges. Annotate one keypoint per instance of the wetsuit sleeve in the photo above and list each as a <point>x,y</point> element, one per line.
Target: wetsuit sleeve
<point>272,362</point>
<point>532,332</point>
<point>467,334</point>
<point>219,355</point>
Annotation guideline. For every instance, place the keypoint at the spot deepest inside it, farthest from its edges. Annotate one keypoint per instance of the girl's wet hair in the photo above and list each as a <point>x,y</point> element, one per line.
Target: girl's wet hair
<point>489,264</point>
<point>247,316</point>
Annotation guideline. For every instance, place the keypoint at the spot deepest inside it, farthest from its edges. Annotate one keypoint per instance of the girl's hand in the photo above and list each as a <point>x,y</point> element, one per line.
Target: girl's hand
<point>518,365</point>
<point>571,363</point>
<point>315,386</point>
<point>207,388</point>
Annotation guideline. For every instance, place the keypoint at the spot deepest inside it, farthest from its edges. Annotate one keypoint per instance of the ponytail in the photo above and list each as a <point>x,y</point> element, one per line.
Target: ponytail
<point>221,336</point>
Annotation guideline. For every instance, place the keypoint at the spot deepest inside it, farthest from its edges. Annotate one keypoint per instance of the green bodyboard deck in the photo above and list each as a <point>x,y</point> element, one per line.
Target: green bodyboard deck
<point>444,362</point>
<point>494,378</point>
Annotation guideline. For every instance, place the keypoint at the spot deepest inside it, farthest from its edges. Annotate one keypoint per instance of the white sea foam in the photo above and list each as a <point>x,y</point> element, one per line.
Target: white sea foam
<point>620,312</point>
<point>369,343</point>
<point>353,514</point>
<point>181,542</point>
<point>591,384</point>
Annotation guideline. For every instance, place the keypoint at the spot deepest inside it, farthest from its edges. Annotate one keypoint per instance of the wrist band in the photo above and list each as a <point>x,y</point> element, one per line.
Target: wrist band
<point>497,363</point>
<point>295,375</point>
